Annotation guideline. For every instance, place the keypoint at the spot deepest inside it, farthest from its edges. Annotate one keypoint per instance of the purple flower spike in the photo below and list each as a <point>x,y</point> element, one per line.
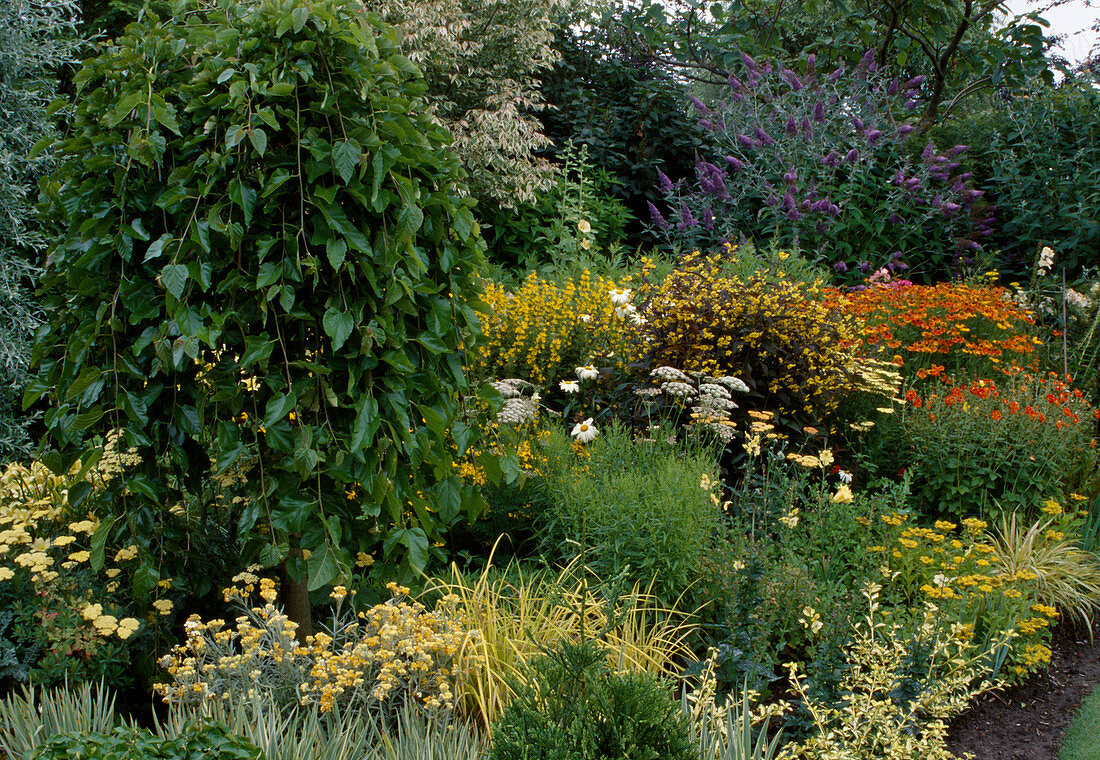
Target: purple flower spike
<point>914,82</point>
<point>868,58</point>
<point>763,136</point>
<point>865,266</point>
<point>750,64</point>
<point>708,125</point>
<point>929,152</point>
<point>893,219</point>
<point>811,63</point>
<point>687,221</point>
<point>656,216</point>
<point>747,142</point>
<point>807,128</point>
<point>829,159</point>
<point>790,177</point>
<point>708,219</point>
<point>892,88</point>
<point>836,75</point>
<point>873,136</point>
<point>853,156</point>
<point>792,126</point>
<point>699,105</point>
<point>792,79</point>
<point>735,83</point>
<point>819,112</point>
<point>904,129</point>
<point>735,163</point>
<point>840,267</point>
<point>663,182</point>
<point>899,177</point>
<point>902,266</point>
<point>958,150</point>
<point>911,104</point>
<point>858,123</point>
<point>834,210</point>
<point>767,69</point>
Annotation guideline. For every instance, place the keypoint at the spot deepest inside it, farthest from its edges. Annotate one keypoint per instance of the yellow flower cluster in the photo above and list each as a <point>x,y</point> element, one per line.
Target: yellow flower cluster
<point>960,573</point>
<point>543,331</point>
<point>782,333</point>
<point>392,652</point>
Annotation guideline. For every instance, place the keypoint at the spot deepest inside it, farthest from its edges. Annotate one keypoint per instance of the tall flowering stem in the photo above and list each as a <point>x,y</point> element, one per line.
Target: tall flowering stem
<point>825,162</point>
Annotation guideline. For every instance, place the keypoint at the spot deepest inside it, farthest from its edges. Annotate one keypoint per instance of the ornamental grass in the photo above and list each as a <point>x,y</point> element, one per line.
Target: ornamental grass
<point>520,614</point>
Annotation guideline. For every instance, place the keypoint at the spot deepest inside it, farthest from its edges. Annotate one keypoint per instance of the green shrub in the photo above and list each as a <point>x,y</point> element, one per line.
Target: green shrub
<point>131,743</point>
<point>265,258</point>
<point>630,507</point>
<point>573,707</point>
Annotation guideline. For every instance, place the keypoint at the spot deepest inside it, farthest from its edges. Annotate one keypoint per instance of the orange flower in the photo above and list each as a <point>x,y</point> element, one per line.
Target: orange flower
<point>995,414</point>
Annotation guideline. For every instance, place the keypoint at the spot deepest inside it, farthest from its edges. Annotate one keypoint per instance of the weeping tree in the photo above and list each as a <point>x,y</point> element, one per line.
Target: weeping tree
<point>36,39</point>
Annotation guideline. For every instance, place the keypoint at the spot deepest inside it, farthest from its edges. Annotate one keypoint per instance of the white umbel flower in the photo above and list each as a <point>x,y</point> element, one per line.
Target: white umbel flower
<point>583,432</point>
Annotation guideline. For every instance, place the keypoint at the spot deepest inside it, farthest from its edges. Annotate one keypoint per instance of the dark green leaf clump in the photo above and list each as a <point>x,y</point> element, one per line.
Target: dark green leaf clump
<point>573,707</point>
<point>208,740</point>
<point>266,268</point>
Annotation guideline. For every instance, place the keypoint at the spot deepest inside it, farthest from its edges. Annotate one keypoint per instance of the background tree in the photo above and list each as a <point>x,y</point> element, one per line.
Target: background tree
<point>36,39</point>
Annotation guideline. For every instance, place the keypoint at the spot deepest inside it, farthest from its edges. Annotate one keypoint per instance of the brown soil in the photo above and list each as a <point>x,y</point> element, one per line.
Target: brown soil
<point>1027,721</point>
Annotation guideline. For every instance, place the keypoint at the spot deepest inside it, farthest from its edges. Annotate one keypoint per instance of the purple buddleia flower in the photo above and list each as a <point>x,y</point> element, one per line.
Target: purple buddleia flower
<point>735,83</point>
<point>852,157</point>
<point>767,68</point>
<point>664,183</point>
<point>834,210</point>
<point>711,179</point>
<point>857,123</point>
<point>873,136</point>
<point>792,127</point>
<point>928,153</point>
<point>867,62</point>
<point>699,105</point>
<point>792,80</point>
<point>914,82</point>
<point>958,150</point>
<point>950,208</point>
<point>892,88</point>
<point>747,142</point>
<point>973,195</point>
<point>895,256</point>
<point>771,199</point>
<point>708,125</point>
<point>911,104</point>
<point>912,184</point>
<point>807,128</point>
<point>763,136</point>
<point>687,221</point>
<point>735,163</point>
<point>840,267</point>
<point>893,219</point>
<point>750,64</point>
<point>708,219</point>
<point>830,159</point>
<point>811,63</point>
<point>655,215</point>
<point>835,75</point>
<point>791,176</point>
<point>793,214</point>
<point>865,266</point>
<point>904,129</point>
<point>899,177</point>
<point>819,112</point>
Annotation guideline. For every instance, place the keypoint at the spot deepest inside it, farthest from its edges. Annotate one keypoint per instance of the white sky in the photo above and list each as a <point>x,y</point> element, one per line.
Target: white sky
<point>1074,20</point>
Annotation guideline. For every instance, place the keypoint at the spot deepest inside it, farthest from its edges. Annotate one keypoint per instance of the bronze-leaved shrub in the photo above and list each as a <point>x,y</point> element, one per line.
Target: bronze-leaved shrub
<point>782,337</point>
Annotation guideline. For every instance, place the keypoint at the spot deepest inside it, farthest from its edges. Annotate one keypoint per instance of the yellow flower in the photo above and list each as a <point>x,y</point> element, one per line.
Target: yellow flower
<point>80,556</point>
<point>843,495</point>
<point>362,559</point>
<point>163,606</point>
<point>584,227</point>
<point>127,627</point>
<point>6,573</point>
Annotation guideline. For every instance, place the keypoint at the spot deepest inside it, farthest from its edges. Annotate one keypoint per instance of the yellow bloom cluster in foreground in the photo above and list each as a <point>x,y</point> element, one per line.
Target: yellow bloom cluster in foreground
<point>395,651</point>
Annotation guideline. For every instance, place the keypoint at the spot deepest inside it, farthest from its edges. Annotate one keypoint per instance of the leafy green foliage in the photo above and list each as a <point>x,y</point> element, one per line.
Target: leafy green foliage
<point>132,743</point>
<point>626,507</point>
<point>574,708</point>
<point>1037,158</point>
<point>35,39</point>
<point>265,259</point>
